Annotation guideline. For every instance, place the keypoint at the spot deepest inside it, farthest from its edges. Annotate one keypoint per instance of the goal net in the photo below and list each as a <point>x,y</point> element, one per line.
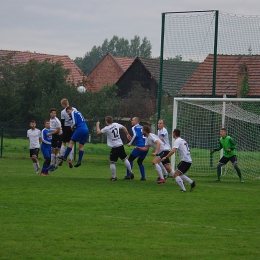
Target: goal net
<point>200,120</point>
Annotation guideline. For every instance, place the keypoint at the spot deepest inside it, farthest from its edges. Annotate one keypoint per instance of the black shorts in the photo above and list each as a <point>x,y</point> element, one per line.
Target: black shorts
<point>163,154</point>
<point>117,152</point>
<point>34,152</point>
<point>183,167</point>
<point>225,160</point>
<point>56,141</point>
<point>67,134</point>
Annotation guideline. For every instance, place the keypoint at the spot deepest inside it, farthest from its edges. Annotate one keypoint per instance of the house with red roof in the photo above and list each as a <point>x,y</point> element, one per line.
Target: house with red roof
<point>75,76</point>
<point>236,76</point>
<point>107,71</point>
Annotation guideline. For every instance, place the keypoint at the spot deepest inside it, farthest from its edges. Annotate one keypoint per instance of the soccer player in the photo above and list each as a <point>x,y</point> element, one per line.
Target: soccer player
<point>228,145</point>
<point>46,147</point>
<point>115,142</point>
<point>66,123</point>
<point>164,137</point>
<point>80,134</point>
<point>139,140</point>
<point>34,136</point>
<point>185,160</point>
<point>160,150</point>
<point>56,132</point>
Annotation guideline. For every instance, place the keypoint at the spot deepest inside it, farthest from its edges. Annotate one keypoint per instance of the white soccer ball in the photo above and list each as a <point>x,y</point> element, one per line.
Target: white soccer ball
<point>81,89</point>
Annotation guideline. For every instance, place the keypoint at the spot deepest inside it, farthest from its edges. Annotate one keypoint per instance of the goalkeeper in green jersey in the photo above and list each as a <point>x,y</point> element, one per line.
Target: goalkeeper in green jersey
<point>228,145</point>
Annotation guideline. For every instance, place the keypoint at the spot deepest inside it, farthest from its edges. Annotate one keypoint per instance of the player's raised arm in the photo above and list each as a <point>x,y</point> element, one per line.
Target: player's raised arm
<point>98,128</point>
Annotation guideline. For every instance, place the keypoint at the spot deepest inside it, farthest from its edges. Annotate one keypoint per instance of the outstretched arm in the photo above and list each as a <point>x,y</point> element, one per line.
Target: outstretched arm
<point>216,149</point>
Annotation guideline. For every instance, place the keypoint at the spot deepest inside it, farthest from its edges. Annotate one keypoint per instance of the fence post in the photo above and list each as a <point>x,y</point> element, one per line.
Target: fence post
<point>2,142</point>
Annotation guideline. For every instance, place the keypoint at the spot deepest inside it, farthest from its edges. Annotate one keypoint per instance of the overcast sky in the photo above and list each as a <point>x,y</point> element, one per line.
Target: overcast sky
<point>73,27</point>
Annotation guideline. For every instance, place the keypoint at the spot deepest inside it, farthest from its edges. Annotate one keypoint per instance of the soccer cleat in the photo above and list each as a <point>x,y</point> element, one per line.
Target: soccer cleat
<point>166,176</point>
<point>192,186</point>
<point>70,164</point>
<point>241,181</point>
<point>62,158</point>
<point>132,176</point>
<point>44,174</point>
<point>127,178</point>
<point>113,179</point>
<point>38,171</point>
<point>60,163</point>
<point>77,164</point>
<point>142,179</point>
<point>183,190</point>
<point>53,168</point>
<point>218,180</point>
<point>161,181</point>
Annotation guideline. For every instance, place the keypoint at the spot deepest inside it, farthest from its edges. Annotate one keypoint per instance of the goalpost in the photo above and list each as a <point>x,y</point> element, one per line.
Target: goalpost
<point>200,120</point>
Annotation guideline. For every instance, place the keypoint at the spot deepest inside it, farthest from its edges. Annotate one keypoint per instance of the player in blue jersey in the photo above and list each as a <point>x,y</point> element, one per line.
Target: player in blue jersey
<point>46,148</point>
<point>80,134</point>
<point>139,140</point>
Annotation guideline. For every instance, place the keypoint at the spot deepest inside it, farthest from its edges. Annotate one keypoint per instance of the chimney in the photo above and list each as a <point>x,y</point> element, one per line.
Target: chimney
<point>242,79</point>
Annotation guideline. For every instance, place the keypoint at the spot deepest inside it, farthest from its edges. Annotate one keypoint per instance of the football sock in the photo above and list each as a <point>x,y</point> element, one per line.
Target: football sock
<point>62,150</point>
<point>44,167</point>
<point>159,170</point>
<point>238,173</point>
<point>127,164</point>
<point>163,168</point>
<point>68,150</point>
<point>180,183</point>
<point>35,166</point>
<point>127,171</point>
<point>113,169</point>
<point>72,153</point>
<point>219,173</point>
<point>186,178</point>
<point>52,159</point>
<point>80,155</point>
<point>171,173</point>
<point>141,167</point>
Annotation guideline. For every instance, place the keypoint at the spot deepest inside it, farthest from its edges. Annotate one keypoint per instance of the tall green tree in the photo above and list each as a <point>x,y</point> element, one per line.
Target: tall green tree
<point>117,47</point>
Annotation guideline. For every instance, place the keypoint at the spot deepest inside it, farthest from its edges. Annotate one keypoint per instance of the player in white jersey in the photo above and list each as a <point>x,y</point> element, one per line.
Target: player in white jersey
<point>160,151</point>
<point>34,136</point>
<point>55,126</point>
<point>66,123</point>
<point>185,160</point>
<point>115,142</point>
<point>164,137</point>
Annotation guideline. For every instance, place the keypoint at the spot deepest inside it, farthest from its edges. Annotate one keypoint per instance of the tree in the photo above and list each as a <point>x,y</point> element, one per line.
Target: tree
<point>116,47</point>
<point>28,91</point>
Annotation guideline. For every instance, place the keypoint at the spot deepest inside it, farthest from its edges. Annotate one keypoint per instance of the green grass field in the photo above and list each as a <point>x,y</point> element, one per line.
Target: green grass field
<point>79,214</point>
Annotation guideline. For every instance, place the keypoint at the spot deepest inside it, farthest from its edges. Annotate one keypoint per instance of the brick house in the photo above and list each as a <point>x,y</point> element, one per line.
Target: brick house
<point>75,76</point>
<point>237,76</point>
<point>107,71</point>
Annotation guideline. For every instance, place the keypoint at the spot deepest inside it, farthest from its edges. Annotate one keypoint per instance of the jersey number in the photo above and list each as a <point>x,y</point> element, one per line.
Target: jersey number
<point>115,132</point>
